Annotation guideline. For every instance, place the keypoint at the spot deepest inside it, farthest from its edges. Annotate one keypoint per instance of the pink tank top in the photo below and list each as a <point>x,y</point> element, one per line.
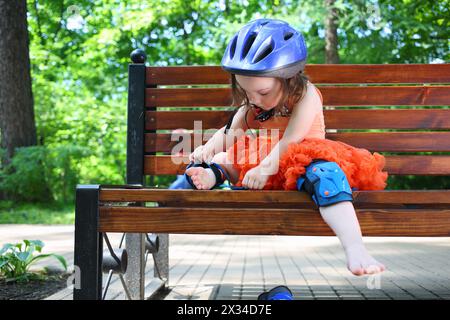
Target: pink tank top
<point>317,128</point>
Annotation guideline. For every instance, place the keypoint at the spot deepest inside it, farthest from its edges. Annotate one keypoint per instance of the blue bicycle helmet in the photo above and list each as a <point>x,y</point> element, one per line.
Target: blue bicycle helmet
<point>266,48</point>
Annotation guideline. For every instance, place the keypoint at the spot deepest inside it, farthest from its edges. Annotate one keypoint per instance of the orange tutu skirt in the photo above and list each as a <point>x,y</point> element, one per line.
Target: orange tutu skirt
<point>362,169</point>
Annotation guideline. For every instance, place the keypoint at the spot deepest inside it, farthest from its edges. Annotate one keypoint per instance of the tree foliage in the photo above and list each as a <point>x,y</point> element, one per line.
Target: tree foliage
<point>80,50</point>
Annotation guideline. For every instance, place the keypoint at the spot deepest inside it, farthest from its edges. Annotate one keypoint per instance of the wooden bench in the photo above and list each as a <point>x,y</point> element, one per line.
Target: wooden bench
<point>102,209</point>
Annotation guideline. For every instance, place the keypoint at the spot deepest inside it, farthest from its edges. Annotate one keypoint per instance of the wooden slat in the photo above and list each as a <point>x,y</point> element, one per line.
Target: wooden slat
<point>263,221</point>
<point>188,97</point>
<point>266,197</point>
<point>395,165</point>
<point>332,96</point>
<point>334,119</point>
<point>396,141</point>
<point>373,141</point>
<point>300,205</point>
<point>319,73</point>
<point>380,73</point>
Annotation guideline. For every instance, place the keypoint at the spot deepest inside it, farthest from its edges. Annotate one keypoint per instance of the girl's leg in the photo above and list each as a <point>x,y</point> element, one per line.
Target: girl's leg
<point>205,178</point>
<point>341,217</point>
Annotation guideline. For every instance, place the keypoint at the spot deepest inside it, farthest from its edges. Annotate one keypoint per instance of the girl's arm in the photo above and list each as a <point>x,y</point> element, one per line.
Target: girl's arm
<point>218,142</point>
<point>300,122</point>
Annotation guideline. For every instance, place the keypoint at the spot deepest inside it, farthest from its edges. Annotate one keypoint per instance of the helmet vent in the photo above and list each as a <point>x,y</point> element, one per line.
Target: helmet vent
<point>248,45</point>
<point>288,35</point>
<point>264,53</point>
<point>233,47</point>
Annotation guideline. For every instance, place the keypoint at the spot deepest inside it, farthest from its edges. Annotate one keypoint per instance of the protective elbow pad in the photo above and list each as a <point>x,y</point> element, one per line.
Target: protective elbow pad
<point>326,183</point>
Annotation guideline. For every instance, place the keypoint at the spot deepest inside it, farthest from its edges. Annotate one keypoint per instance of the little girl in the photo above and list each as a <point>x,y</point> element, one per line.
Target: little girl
<point>266,59</point>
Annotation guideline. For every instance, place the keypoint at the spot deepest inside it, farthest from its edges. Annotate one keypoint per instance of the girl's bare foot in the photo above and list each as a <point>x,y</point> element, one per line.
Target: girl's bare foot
<point>360,262</point>
<point>203,178</point>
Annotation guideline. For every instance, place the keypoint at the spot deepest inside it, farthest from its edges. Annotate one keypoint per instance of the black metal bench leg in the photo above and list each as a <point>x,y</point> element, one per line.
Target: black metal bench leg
<point>162,259</point>
<point>88,244</point>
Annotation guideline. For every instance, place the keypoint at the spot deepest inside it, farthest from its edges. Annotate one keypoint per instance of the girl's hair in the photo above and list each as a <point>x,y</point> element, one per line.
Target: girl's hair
<point>293,91</point>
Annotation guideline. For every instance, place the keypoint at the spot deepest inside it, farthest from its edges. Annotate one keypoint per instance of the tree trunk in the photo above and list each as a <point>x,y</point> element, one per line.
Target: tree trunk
<point>17,125</point>
<point>331,38</point>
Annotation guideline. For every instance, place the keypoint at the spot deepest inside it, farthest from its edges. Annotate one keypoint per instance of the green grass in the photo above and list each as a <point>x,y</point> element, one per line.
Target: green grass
<point>25,213</point>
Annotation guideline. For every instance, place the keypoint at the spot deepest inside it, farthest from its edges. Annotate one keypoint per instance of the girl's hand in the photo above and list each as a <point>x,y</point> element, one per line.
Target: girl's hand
<point>201,154</point>
<point>255,178</point>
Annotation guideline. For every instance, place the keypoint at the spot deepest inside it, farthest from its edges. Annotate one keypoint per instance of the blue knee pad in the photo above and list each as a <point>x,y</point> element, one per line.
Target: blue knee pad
<point>326,183</point>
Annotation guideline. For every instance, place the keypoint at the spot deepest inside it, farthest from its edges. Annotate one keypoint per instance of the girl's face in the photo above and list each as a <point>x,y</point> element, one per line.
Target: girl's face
<point>264,92</point>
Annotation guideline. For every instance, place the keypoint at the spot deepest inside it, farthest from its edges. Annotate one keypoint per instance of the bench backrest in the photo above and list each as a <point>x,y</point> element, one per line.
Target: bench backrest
<point>412,113</point>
